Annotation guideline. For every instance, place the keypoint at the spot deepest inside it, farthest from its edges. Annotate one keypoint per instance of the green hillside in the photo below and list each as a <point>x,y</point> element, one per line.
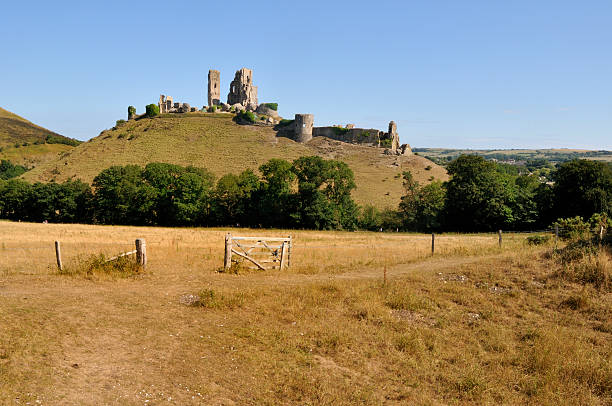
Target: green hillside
<point>17,130</point>
<point>215,142</point>
<point>28,144</point>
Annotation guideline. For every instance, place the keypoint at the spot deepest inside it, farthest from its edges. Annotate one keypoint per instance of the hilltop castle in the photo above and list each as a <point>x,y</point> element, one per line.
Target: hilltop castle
<point>242,96</point>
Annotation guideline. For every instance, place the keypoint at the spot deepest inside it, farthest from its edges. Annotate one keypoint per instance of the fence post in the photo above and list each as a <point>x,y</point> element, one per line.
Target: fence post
<point>289,253</point>
<point>433,243</point>
<point>283,263</point>
<point>500,238</point>
<point>227,263</point>
<point>58,256</point>
<point>556,235</point>
<point>141,252</point>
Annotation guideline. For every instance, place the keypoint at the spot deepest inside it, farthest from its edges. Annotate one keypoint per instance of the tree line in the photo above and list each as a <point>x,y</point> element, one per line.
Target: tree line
<point>314,193</point>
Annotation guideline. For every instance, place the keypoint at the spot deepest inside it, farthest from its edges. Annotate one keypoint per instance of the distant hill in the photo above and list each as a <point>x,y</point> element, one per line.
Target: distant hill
<point>216,142</point>
<point>553,155</point>
<point>28,144</point>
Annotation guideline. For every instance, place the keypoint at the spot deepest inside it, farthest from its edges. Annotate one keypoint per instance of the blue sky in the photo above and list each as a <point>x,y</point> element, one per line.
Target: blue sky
<point>454,74</point>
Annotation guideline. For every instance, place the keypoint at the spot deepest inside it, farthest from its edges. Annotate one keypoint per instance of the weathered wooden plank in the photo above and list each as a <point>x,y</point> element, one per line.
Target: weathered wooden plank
<point>283,263</point>
<point>260,239</point>
<point>248,258</point>
<point>125,254</point>
<point>58,256</point>
<point>141,252</point>
<point>228,251</point>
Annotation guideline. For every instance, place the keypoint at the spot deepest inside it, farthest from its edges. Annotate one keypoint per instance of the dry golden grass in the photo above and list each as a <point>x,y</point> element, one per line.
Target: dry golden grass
<point>215,142</point>
<point>475,324</point>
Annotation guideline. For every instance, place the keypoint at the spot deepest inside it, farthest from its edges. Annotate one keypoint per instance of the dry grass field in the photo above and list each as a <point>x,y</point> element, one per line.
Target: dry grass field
<point>474,324</point>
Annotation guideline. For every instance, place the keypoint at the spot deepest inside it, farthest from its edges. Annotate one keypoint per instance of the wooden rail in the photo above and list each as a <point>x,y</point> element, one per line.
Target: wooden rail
<point>263,252</point>
<point>140,251</point>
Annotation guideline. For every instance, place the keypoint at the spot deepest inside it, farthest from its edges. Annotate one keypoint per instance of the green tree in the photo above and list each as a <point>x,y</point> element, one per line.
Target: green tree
<point>233,201</point>
<point>582,187</point>
<point>324,194</point>
<point>421,207</point>
<point>275,193</point>
<point>9,170</point>
<point>118,197</point>
<point>151,110</point>
<point>478,197</point>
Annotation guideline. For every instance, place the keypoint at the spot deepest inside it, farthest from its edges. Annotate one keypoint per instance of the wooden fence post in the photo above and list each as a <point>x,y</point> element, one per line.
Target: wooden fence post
<point>556,235</point>
<point>58,256</point>
<point>500,238</point>
<point>283,263</point>
<point>289,253</point>
<point>141,252</point>
<point>227,263</point>
<point>433,243</point>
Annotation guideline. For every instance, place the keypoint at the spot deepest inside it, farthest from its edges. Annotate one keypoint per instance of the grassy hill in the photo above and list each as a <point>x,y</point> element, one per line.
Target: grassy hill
<point>215,142</point>
<point>28,144</point>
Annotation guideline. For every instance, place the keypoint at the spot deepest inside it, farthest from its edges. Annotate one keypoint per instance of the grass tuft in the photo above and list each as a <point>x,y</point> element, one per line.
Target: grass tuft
<point>210,299</point>
<point>98,266</point>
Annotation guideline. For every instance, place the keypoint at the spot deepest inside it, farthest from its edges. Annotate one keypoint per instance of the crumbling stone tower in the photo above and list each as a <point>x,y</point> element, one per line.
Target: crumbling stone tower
<point>242,90</point>
<point>165,103</point>
<point>214,87</point>
<point>303,124</point>
<point>395,144</point>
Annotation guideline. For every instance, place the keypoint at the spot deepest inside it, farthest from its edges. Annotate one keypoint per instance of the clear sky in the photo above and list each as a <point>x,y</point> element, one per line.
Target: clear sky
<point>453,74</point>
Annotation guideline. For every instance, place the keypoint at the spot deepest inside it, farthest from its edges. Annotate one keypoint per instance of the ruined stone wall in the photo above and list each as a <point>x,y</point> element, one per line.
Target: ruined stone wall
<point>351,135</point>
<point>214,87</point>
<point>242,90</point>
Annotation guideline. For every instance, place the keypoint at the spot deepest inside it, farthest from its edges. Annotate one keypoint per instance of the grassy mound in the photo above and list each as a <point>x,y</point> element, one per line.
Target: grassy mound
<point>216,142</point>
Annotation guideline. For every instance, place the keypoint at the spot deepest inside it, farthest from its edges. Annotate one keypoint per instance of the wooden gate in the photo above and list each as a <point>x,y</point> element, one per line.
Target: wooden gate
<point>263,252</point>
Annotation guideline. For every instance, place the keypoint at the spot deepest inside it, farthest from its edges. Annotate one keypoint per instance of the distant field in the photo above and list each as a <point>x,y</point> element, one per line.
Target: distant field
<point>475,324</point>
<point>215,142</point>
<point>553,155</point>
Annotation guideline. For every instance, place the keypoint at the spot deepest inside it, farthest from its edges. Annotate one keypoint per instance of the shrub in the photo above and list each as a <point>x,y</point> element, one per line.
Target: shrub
<point>212,109</point>
<point>8,170</point>
<point>131,112</point>
<point>285,122</point>
<point>246,116</point>
<point>119,123</point>
<point>152,110</point>
<point>572,228</point>
<point>537,239</point>
<point>340,130</point>
<point>273,106</point>
<point>428,168</point>
<point>99,265</point>
<point>386,143</point>
<point>55,139</point>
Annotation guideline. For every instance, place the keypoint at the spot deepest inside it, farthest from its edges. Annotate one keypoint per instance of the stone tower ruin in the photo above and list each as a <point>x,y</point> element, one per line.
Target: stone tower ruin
<point>214,87</point>
<point>242,90</point>
<point>394,136</point>
<point>165,103</point>
<point>303,124</point>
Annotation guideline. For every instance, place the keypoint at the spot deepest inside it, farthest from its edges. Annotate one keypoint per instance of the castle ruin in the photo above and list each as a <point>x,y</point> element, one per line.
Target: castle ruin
<point>242,90</point>
<point>243,96</point>
<point>303,126</point>
<point>214,87</point>
<point>166,105</point>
